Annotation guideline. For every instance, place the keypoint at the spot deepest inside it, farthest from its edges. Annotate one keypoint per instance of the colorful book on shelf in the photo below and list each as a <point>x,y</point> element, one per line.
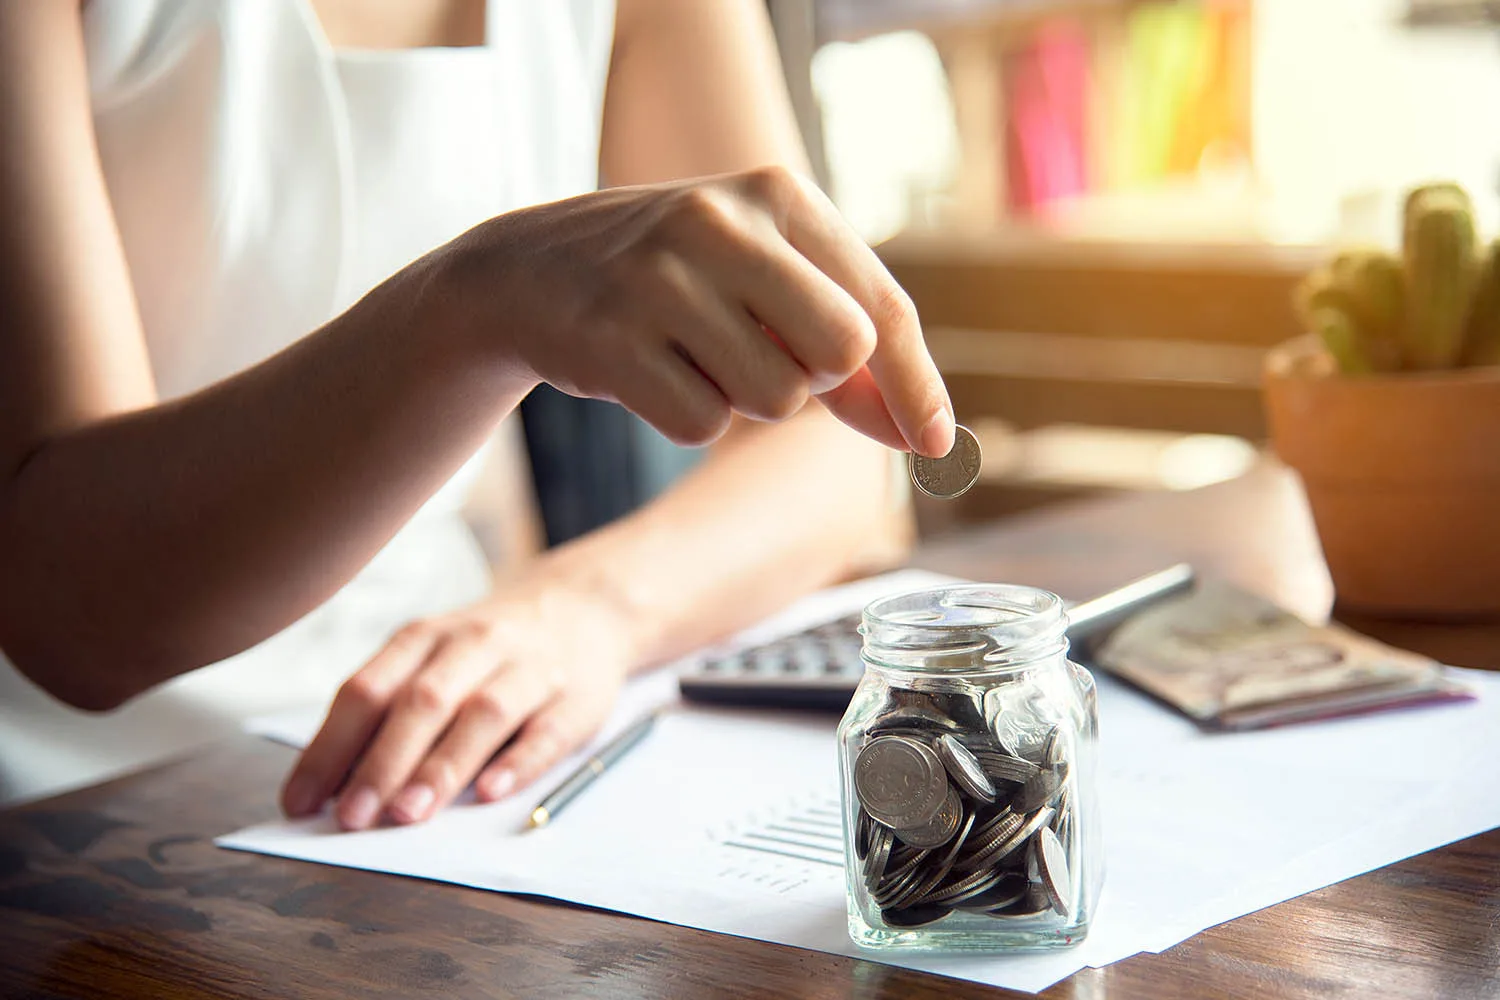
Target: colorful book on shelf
<point>1125,101</point>
<point>1046,83</point>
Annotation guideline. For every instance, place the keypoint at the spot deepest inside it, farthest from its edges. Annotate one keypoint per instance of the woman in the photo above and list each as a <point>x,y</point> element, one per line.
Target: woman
<point>236,375</point>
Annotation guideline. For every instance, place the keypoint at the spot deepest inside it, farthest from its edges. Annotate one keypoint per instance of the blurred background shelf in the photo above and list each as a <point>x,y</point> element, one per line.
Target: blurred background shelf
<point>853,20</point>
<point>1451,13</point>
<point>1101,207</point>
<point>1089,367</point>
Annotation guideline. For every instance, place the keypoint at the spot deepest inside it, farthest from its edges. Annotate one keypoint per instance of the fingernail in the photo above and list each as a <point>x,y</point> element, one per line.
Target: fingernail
<point>412,805</point>
<point>358,810</point>
<point>937,435</point>
<point>301,795</point>
<point>499,784</point>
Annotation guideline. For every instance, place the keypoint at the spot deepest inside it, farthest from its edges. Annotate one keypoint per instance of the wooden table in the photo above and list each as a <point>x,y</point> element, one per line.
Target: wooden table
<point>118,891</point>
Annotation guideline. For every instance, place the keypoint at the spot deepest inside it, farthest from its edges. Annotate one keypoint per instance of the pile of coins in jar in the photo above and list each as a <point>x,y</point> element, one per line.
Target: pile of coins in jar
<point>956,817</point>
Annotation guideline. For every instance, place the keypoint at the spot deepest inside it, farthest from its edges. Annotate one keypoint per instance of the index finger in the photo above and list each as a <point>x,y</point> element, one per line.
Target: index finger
<point>902,369</point>
<point>352,720</point>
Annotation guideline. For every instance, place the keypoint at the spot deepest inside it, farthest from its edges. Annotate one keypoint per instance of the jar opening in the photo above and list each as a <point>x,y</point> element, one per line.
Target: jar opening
<point>964,628</point>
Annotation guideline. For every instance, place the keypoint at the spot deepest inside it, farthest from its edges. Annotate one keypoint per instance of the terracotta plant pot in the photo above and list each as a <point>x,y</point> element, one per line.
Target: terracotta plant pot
<point>1403,475</point>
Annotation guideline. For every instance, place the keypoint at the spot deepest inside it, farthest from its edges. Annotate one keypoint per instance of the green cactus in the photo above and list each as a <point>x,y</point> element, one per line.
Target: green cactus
<point>1440,274</point>
<point>1340,335</point>
<point>1357,305</point>
<point>1436,307</point>
<point>1376,285</point>
<point>1482,330</point>
<point>1417,197</point>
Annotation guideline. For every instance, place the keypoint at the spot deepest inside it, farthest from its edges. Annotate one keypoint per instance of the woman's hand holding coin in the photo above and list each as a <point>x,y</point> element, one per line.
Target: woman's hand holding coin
<point>689,302</point>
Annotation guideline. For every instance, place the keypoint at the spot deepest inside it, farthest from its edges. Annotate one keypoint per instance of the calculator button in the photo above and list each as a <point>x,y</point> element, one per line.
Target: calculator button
<point>808,659</point>
<point>769,659</point>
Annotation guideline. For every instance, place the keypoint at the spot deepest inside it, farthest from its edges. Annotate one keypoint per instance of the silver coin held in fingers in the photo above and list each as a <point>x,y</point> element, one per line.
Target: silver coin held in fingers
<point>952,475</point>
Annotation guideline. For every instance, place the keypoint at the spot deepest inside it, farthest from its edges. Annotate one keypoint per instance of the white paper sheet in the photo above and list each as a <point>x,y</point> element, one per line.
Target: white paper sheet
<point>728,821</point>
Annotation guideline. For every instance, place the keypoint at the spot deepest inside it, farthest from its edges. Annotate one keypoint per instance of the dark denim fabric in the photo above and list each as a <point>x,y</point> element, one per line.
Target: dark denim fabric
<point>592,462</point>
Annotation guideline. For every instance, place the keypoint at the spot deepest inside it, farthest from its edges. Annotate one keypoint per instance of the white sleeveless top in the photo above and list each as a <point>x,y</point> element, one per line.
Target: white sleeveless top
<point>262,183</point>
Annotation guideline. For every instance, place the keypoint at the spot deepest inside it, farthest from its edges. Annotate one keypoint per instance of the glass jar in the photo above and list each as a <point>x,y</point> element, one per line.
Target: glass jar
<point>967,760</point>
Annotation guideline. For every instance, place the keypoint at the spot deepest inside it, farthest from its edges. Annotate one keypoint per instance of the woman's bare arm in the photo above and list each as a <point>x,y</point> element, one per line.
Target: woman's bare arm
<point>139,540</point>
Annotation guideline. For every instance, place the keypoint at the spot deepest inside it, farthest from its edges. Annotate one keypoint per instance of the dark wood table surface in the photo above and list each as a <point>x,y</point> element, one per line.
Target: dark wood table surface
<point>118,891</point>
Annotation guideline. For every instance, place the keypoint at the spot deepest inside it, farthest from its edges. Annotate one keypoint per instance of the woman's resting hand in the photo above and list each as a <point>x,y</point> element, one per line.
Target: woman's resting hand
<point>686,302</point>
<point>534,671</point>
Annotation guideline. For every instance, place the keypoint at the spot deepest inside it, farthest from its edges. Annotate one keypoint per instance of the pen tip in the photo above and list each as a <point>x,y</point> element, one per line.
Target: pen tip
<point>539,817</point>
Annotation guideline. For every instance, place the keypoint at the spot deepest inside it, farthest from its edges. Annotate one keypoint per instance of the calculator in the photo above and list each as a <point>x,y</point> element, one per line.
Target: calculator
<point>818,666</point>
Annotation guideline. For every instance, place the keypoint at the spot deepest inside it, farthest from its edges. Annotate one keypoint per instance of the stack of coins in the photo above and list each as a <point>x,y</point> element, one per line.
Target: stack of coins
<point>950,818</point>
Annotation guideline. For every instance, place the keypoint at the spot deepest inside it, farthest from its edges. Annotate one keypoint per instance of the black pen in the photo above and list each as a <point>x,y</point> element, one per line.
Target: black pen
<point>589,771</point>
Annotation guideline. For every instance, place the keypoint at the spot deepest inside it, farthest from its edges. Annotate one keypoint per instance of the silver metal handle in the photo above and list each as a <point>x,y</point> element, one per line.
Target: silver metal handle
<point>1107,610</point>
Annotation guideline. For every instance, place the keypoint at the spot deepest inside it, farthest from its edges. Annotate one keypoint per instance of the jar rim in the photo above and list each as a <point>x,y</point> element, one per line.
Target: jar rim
<point>964,628</point>
<point>1005,599</point>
